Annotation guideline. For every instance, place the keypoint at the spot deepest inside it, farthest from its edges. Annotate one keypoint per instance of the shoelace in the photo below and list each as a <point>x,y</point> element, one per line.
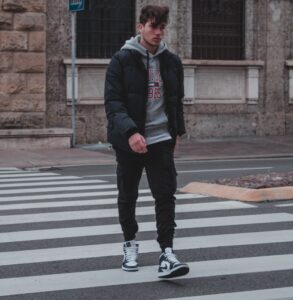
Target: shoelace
<point>130,253</point>
<point>171,257</point>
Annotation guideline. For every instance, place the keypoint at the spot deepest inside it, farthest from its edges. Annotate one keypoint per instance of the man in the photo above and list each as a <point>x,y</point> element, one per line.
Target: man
<point>143,101</point>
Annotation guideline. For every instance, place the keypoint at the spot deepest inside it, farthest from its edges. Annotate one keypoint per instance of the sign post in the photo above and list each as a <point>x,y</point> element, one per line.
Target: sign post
<point>74,6</point>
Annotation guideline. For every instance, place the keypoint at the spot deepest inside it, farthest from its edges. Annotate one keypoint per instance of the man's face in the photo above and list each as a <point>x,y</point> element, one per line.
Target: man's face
<point>152,34</point>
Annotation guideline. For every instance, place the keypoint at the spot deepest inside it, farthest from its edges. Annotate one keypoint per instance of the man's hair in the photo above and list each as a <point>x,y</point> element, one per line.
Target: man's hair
<point>158,14</point>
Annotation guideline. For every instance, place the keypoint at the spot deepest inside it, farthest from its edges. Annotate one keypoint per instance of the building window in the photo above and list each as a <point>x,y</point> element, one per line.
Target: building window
<point>104,26</point>
<point>218,29</point>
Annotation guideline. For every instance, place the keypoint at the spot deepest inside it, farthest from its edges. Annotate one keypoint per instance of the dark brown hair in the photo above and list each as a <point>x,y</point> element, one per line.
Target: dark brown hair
<point>158,14</point>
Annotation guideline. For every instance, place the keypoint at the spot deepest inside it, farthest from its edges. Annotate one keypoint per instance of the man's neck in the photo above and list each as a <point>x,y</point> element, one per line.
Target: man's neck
<point>152,49</point>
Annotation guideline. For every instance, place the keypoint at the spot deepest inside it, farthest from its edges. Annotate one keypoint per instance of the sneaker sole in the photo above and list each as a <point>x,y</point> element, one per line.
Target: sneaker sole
<point>129,269</point>
<point>176,272</point>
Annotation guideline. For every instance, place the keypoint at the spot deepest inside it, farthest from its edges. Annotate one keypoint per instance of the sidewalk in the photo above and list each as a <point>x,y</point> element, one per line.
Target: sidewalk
<point>200,149</point>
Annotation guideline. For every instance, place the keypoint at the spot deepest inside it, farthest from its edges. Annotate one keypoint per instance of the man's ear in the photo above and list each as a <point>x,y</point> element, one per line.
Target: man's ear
<point>140,27</point>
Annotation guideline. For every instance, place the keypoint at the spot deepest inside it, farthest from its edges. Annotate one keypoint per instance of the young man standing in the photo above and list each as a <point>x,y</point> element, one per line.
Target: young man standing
<point>143,101</point>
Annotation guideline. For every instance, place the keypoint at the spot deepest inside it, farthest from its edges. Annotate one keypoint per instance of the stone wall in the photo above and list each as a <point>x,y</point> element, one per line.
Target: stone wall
<point>90,119</point>
<point>58,47</point>
<point>273,32</point>
<point>268,39</point>
<point>289,55</point>
<point>22,63</point>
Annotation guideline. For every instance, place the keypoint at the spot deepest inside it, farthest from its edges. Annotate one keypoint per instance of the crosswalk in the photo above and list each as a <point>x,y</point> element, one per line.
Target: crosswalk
<point>60,239</point>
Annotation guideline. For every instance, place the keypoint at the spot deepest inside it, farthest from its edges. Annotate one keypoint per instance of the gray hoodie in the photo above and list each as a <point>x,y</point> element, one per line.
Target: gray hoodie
<point>156,127</point>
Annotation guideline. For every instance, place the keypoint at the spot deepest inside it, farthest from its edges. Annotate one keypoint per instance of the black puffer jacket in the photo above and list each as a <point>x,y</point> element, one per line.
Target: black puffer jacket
<point>126,95</point>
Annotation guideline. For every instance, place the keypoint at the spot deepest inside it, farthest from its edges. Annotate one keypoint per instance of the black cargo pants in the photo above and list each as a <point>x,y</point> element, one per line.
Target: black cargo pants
<point>161,174</point>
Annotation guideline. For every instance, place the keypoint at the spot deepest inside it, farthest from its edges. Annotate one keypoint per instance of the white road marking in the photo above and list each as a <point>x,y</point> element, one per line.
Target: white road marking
<point>60,182</point>
<point>57,233</point>
<point>194,171</point>
<point>148,246</point>
<point>105,175</point>
<point>113,212</point>
<point>34,179</point>
<point>239,160</point>
<point>267,294</point>
<point>223,170</point>
<point>285,205</point>
<point>58,189</point>
<point>17,172</point>
<point>27,175</point>
<point>63,196</point>
<point>112,277</point>
<point>85,202</point>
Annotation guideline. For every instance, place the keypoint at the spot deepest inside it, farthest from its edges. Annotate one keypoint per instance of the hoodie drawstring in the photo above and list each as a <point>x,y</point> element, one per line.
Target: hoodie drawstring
<point>148,62</point>
<point>147,69</point>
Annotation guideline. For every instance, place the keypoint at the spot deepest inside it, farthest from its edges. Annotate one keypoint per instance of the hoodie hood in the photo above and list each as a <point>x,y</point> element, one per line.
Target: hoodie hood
<point>134,44</point>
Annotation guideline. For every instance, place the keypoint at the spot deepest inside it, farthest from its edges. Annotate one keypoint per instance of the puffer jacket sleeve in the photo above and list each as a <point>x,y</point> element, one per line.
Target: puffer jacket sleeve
<point>180,114</point>
<point>120,125</point>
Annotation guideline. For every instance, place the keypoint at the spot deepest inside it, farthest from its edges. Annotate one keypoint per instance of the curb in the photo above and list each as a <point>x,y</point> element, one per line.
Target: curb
<point>238,193</point>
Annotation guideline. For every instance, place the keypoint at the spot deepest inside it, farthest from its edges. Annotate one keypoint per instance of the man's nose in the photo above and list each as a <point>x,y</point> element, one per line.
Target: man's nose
<point>158,31</point>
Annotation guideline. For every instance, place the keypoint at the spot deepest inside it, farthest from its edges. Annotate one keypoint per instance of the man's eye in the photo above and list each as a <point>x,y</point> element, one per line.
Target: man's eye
<point>162,27</point>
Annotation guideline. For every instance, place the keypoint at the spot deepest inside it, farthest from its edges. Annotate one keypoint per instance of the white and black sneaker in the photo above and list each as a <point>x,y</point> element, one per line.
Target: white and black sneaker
<point>130,249</point>
<point>170,266</point>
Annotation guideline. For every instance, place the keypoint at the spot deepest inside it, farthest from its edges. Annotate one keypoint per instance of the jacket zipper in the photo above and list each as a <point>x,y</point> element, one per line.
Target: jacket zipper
<point>162,68</point>
<point>147,90</point>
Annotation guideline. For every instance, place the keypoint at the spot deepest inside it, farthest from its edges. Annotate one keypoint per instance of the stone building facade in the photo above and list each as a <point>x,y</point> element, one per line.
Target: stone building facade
<point>23,77</point>
<point>248,97</point>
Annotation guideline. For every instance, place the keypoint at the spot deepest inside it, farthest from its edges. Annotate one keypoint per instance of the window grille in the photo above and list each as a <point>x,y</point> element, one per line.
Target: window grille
<point>218,29</point>
<point>104,26</point>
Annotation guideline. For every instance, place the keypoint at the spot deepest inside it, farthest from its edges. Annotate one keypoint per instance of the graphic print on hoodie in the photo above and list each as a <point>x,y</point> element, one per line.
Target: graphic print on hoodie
<point>156,127</point>
<point>155,85</point>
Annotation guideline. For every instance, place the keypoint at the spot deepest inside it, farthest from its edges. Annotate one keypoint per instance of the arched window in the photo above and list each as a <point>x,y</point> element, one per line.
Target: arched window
<point>104,26</point>
<point>218,29</point>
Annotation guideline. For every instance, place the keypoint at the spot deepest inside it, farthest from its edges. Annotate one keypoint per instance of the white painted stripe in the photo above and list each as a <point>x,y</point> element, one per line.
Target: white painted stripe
<point>268,294</point>
<point>113,249</point>
<point>285,205</point>
<point>112,277</point>
<point>57,233</point>
<point>27,175</point>
<point>93,202</point>
<point>223,170</point>
<point>105,175</point>
<point>17,172</point>
<point>256,159</point>
<point>58,189</point>
<point>193,171</point>
<point>113,212</point>
<point>33,179</point>
<point>9,169</point>
<point>252,159</point>
<point>33,184</point>
<point>63,196</point>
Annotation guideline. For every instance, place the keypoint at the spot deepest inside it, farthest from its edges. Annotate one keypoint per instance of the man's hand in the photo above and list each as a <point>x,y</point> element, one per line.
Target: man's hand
<point>137,143</point>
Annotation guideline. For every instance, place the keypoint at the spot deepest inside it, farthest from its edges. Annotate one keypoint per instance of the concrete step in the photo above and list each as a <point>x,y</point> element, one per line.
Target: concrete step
<point>44,138</point>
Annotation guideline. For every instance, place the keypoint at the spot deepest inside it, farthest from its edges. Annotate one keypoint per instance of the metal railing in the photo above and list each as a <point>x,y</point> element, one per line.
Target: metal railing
<point>104,26</point>
<point>218,29</point>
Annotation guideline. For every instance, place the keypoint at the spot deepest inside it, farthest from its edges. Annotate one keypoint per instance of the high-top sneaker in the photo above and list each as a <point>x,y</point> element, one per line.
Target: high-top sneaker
<point>130,249</point>
<point>170,266</point>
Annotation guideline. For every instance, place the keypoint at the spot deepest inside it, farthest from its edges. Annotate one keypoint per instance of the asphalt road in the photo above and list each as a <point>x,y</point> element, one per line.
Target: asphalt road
<point>189,171</point>
<point>60,237</point>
